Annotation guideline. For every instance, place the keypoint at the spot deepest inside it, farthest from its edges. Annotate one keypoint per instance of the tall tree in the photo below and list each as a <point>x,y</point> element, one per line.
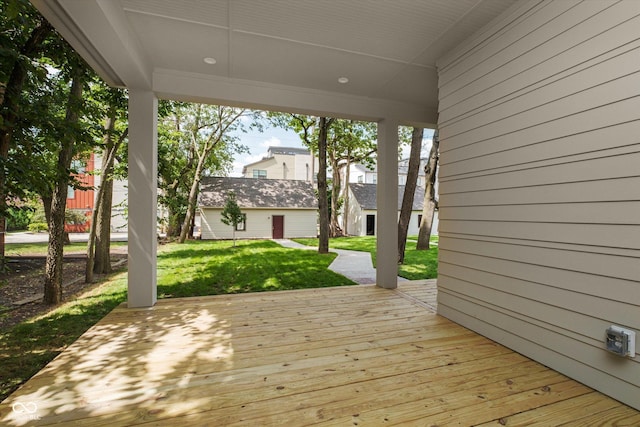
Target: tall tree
<point>53,267</point>
<point>349,142</point>
<point>23,38</point>
<point>211,127</point>
<point>113,102</point>
<point>231,214</point>
<point>409,191</point>
<point>323,204</point>
<point>430,201</point>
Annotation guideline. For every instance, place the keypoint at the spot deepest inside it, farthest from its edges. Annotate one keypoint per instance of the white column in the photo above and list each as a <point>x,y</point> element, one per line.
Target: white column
<point>387,204</point>
<point>143,197</point>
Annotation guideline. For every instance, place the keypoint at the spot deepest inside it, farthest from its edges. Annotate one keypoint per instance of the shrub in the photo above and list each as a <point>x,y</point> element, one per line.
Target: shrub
<point>37,227</point>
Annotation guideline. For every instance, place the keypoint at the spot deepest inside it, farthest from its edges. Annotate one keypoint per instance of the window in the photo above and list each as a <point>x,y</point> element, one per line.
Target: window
<point>71,192</point>
<point>259,173</point>
<point>78,166</point>
<point>242,226</point>
<point>375,178</point>
<point>419,219</point>
<point>360,179</point>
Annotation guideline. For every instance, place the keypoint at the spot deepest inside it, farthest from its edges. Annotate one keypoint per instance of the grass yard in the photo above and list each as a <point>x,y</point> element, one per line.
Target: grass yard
<point>417,265</point>
<point>193,269</point>
<point>215,267</point>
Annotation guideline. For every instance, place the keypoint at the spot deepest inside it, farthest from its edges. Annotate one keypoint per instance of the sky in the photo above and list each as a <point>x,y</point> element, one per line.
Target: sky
<point>259,142</point>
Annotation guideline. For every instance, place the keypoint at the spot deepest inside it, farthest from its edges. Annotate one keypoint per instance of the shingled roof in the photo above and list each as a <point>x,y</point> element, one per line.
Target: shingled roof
<point>258,193</point>
<point>365,194</point>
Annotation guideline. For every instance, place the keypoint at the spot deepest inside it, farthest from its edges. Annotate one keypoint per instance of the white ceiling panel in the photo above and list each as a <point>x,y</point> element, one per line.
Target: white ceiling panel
<point>387,48</point>
<point>177,44</point>
<point>282,62</point>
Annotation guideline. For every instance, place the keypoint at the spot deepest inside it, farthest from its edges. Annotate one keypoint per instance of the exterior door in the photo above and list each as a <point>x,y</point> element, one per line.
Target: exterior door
<point>277,223</point>
<point>371,225</point>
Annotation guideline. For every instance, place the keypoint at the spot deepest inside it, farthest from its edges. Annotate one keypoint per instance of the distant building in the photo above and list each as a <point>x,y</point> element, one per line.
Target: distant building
<point>362,215</point>
<point>81,200</point>
<point>273,208</point>
<point>288,163</point>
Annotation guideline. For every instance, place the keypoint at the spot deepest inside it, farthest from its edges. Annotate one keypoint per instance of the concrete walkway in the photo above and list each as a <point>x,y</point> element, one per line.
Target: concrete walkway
<point>354,265</point>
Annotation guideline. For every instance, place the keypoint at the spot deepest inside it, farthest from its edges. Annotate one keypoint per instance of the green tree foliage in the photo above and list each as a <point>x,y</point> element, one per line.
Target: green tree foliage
<point>347,141</point>
<point>195,140</point>
<point>231,214</point>
<point>45,122</point>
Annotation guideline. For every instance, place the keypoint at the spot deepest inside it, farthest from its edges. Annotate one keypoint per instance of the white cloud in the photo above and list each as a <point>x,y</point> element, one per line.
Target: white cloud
<point>274,141</point>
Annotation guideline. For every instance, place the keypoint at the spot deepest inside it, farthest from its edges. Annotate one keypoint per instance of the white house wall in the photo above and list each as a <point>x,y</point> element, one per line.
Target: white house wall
<point>540,186</point>
<point>297,223</point>
<point>357,219</point>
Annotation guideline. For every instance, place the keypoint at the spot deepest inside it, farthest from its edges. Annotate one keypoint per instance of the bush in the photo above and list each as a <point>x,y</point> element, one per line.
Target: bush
<point>18,218</point>
<point>37,227</point>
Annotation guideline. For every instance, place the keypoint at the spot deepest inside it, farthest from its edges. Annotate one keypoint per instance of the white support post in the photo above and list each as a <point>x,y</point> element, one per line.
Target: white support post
<point>387,205</point>
<point>143,198</point>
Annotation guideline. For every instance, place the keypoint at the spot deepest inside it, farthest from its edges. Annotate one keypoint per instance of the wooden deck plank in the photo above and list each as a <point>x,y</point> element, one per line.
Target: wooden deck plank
<point>331,356</point>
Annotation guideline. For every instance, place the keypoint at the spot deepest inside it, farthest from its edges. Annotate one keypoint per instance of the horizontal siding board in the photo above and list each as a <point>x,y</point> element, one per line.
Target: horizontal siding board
<point>556,37</point>
<point>578,146</point>
<point>573,271</point>
<point>540,185</point>
<point>469,146</point>
<point>600,168</point>
<point>530,294</point>
<point>472,316</point>
<point>548,335</point>
<point>589,213</point>
<point>622,189</point>
<point>596,53</point>
<point>514,16</point>
<point>585,89</point>
<point>615,236</point>
<point>621,252</point>
<point>508,44</point>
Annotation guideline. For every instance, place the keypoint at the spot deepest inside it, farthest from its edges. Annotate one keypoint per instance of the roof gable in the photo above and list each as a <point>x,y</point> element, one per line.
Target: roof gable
<point>365,195</point>
<point>258,193</point>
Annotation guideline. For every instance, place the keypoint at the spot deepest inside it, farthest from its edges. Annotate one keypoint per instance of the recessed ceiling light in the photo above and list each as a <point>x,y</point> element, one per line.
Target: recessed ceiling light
<point>209,60</point>
<point>343,80</point>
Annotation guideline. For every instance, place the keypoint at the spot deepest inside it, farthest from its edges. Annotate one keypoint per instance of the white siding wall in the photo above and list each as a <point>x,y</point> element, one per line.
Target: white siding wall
<point>297,223</point>
<point>540,185</point>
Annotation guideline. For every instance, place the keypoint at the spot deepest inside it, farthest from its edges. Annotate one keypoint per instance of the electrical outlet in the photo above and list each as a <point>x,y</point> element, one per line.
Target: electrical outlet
<point>621,341</point>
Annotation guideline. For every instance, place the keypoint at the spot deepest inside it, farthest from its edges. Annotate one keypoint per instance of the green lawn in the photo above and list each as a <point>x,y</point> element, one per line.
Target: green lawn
<point>192,269</point>
<point>417,264</point>
<point>215,267</point>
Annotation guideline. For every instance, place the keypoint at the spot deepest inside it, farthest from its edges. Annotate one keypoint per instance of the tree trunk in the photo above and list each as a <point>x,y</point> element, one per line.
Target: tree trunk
<point>409,192</point>
<point>102,213</point>
<point>9,107</point>
<point>193,200</point>
<point>102,254</point>
<point>334,226</point>
<point>53,267</point>
<point>345,215</point>
<point>323,204</point>
<point>430,204</point>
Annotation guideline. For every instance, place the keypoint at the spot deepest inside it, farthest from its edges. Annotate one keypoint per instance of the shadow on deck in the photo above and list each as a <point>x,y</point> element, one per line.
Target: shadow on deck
<point>332,356</point>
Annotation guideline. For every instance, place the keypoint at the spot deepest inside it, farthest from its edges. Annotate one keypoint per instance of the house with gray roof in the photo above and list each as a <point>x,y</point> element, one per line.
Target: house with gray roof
<point>273,208</point>
<point>361,218</point>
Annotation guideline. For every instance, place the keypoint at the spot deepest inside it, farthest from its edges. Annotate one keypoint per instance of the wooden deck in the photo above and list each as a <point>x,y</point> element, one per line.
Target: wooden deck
<point>350,356</point>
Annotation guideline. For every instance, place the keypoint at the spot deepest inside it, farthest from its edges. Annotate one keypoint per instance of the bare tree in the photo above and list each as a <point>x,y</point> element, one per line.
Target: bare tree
<point>430,202</point>
<point>409,191</point>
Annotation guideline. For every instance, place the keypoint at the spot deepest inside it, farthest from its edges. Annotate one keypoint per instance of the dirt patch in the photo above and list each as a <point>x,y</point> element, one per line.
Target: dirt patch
<point>22,284</point>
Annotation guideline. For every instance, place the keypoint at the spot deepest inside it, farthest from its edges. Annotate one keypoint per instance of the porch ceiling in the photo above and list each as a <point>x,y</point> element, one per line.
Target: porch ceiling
<point>281,54</point>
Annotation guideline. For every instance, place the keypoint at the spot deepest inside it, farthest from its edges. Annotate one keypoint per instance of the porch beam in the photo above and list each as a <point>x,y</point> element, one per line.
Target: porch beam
<point>387,205</point>
<point>143,198</point>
